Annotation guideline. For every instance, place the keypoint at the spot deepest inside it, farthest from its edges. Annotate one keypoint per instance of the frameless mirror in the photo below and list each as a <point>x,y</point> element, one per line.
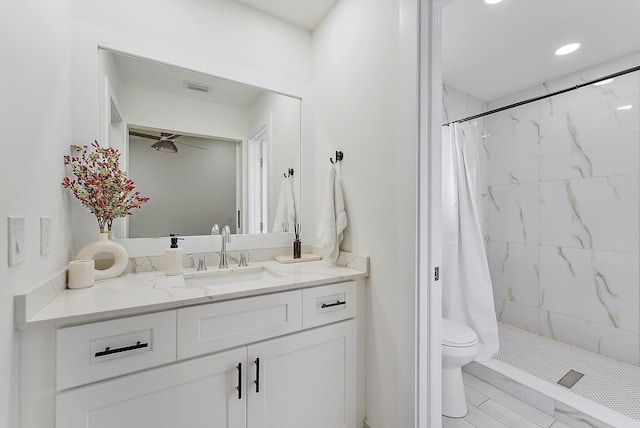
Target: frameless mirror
<point>206,150</point>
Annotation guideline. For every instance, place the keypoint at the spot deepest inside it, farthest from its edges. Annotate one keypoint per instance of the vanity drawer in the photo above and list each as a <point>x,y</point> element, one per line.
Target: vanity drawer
<point>327,304</point>
<point>91,352</point>
<point>211,328</point>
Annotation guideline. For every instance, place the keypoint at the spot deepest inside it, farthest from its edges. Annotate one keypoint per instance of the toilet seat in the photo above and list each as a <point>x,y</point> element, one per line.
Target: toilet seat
<point>457,335</point>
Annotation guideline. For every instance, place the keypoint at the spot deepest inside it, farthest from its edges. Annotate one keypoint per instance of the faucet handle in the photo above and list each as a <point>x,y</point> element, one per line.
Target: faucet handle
<point>244,257</point>
<point>202,263</point>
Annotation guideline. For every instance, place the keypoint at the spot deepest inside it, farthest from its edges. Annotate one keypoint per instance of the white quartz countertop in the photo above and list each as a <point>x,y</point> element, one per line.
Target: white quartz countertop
<point>138,293</point>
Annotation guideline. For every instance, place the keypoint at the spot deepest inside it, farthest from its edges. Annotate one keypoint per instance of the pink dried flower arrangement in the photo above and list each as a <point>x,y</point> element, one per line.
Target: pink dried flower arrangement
<point>101,186</point>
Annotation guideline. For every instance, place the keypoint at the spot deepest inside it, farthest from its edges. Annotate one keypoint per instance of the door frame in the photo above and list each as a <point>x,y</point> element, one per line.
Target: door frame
<point>429,291</point>
<point>261,138</point>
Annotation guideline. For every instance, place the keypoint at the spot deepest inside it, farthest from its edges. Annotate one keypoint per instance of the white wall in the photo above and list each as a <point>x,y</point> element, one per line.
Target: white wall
<point>50,85</point>
<point>284,153</point>
<point>357,77</point>
<point>216,37</point>
<point>111,88</point>
<point>142,107</point>
<point>358,80</point>
<point>35,122</point>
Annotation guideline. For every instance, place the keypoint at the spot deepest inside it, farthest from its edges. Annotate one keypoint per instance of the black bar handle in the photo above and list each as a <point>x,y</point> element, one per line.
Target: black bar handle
<point>257,381</point>
<point>239,387</point>
<point>329,305</point>
<point>238,224</point>
<point>109,351</point>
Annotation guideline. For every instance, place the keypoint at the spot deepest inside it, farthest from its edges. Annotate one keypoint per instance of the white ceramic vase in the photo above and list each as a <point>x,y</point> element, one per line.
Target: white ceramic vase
<point>104,245</point>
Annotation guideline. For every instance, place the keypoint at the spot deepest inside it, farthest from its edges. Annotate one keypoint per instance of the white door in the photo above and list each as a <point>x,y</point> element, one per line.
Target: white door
<point>304,380</point>
<point>257,180</point>
<point>196,393</point>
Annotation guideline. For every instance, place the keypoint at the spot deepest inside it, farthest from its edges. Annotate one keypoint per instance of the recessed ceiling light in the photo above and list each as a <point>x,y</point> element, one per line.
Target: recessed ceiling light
<point>492,1</point>
<point>603,82</point>
<point>567,49</point>
<point>626,107</point>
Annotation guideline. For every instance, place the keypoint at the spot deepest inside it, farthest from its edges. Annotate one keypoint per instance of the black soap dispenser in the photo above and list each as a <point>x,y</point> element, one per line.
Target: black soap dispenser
<point>297,245</point>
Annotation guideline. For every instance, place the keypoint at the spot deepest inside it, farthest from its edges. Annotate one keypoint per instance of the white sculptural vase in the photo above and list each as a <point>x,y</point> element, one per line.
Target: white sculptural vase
<point>104,245</point>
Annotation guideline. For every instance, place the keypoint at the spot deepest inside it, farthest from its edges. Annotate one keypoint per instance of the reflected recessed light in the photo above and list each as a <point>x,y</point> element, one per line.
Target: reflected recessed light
<point>492,1</point>
<point>627,107</point>
<point>603,82</point>
<point>567,49</point>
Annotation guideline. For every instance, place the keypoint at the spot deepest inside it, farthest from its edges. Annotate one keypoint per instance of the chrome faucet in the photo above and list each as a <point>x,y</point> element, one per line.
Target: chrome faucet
<point>226,237</point>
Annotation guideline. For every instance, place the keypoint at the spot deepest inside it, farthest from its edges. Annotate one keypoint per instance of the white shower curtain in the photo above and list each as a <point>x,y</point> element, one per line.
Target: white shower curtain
<point>467,294</point>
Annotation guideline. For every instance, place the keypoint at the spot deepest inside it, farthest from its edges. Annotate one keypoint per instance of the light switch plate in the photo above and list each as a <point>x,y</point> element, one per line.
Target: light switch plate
<point>45,235</point>
<point>17,241</point>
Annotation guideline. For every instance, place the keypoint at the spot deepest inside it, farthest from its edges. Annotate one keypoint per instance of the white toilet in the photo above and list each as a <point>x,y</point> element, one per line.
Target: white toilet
<point>459,347</point>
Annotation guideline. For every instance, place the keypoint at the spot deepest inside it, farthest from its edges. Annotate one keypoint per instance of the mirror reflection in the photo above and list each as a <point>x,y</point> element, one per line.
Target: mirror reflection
<point>192,180</point>
<point>207,151</point>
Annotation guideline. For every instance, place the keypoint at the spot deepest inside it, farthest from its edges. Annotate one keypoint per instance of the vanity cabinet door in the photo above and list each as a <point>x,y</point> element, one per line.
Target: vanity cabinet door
<point>196,393</point>
<point>305,379</point>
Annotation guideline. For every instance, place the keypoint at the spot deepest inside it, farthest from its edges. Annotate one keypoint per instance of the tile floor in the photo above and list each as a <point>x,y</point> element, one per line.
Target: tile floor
<point>490,407</point>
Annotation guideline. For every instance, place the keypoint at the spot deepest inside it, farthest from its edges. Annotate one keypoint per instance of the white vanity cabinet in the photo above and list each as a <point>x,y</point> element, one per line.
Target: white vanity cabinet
<point>239,363</point>
<point>183,394</point>
<point>304,380</point>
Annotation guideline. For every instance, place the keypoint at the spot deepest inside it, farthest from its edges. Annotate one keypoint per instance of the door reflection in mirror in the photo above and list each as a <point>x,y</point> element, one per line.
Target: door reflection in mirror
<point>257,171</point>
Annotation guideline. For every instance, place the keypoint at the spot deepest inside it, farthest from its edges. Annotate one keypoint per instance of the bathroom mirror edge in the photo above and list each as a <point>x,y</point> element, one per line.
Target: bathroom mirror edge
<point>296,90</point>
<point>85,117</point>
<point>197,244</point>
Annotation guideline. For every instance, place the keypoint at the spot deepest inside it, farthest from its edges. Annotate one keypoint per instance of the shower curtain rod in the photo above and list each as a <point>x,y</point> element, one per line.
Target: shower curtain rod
<point>542,97</point>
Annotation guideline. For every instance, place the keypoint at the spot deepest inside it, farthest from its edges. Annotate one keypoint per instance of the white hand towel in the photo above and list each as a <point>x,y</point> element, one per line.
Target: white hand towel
<point>327,220</point>
<point>286,210</point>
<point>341,213</point>
<point>333,217</point>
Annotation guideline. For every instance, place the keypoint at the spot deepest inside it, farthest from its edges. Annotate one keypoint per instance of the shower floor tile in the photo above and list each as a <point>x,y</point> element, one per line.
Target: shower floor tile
<point>612,383</point>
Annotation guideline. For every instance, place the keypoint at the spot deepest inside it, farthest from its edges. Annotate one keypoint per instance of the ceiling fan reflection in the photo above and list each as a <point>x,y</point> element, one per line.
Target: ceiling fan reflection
<point>166,143</point>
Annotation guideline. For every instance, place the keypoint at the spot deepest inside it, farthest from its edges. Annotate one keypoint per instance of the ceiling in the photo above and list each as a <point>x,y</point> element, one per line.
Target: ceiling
<point>488,50</point>
<point>304,14</point>
<point>493,50</point>
<point>141,73</point>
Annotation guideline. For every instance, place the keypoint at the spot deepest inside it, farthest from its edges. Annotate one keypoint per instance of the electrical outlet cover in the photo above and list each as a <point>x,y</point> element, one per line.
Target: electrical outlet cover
<point>45,235</point>
<point>17,240</point>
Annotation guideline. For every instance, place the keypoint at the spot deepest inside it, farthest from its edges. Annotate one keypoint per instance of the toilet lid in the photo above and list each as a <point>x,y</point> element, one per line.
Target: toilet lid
<point>454,334</point>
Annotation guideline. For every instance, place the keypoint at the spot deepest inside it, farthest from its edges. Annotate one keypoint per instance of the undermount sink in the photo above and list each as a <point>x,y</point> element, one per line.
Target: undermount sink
<point>215,276</point>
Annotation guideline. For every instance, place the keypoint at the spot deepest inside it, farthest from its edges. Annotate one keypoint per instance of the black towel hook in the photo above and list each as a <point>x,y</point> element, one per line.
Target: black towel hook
<point>339,157</point>
<point>289,173</point>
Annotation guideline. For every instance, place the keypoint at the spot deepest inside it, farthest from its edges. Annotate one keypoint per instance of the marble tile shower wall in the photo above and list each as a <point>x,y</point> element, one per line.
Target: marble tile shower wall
<point>563,178</point>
